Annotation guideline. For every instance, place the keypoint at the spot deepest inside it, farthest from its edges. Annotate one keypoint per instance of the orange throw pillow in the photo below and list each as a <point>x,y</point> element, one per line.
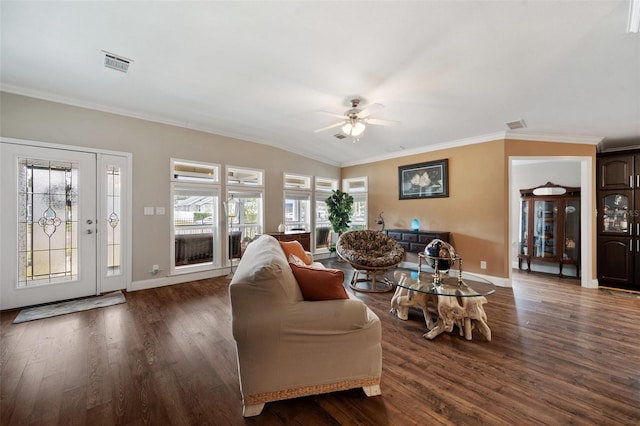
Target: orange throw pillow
<point>296,249</point>
<point>319,284</point>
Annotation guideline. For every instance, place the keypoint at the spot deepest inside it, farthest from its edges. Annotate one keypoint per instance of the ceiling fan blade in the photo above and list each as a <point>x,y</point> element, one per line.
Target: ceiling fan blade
<point>368,109</point>
<point>382,122</point>
<point>330,127</point>
<point>331,114</point>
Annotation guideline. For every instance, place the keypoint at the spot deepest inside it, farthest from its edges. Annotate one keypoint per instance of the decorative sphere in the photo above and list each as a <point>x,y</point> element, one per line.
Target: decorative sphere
<point>443,251</point>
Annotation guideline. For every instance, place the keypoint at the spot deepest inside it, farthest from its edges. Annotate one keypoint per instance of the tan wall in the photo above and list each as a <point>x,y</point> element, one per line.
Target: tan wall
<point>519,148</point>
<point>152,145</point>
<point>476,211</point>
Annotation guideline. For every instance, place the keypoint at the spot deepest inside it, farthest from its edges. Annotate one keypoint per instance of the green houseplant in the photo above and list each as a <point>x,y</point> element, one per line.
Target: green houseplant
<point>340,207</point>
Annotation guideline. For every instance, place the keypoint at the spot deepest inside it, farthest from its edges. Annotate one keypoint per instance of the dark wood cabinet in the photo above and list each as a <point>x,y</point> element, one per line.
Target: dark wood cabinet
<point>550,226</point>
<point>616,262</point>
<point>416,241</point>
<point>303,237</point>
<point>618,224</point>
<point>617,171</point>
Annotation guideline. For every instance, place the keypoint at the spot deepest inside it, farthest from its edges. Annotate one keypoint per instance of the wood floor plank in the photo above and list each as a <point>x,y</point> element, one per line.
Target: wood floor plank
<point>559,354</point>
<point>49,397</point>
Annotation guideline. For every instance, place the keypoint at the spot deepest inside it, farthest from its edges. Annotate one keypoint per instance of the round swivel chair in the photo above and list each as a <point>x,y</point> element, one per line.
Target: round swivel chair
<point>370,253</point>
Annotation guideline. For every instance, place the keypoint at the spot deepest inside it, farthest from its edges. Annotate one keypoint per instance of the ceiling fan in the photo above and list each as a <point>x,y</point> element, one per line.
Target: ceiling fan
<point>354,120</point>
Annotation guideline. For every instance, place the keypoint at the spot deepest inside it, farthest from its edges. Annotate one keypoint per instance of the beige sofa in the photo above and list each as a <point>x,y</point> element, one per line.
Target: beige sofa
<point>288,347</point>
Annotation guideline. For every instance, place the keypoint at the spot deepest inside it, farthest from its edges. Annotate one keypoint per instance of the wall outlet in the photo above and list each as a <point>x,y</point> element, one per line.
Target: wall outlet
<point>155,269</point>
<point>483,264</point>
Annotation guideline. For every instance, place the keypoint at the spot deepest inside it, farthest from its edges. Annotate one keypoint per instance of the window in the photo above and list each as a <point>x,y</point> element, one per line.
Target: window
<point>297,202</point>
<point>113,228</point>
<point>292,181</point>
<point>195,226</point>
<point>297,211</point>
<point>114,221</point>
<point>244,177</point>
<point>195,193</point>
<point>357,188</point>
<point>244,212</point>
<point>187,171</point>
<point>323,189</point>
<point>245,207</point>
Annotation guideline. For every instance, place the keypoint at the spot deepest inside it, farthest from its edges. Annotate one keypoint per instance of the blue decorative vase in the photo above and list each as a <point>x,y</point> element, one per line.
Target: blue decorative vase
<point>415,224</point>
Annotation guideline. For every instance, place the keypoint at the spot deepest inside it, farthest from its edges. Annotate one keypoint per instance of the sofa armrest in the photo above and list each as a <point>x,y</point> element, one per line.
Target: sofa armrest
<point>327,317</point>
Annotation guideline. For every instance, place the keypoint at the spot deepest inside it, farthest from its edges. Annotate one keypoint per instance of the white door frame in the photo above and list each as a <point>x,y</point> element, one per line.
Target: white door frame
<point>104,283</point>
<point>587,215</point>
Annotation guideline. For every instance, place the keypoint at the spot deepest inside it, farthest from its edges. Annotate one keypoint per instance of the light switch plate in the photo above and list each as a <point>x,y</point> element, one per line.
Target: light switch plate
<point>148,211</point>
<point>160,210</point>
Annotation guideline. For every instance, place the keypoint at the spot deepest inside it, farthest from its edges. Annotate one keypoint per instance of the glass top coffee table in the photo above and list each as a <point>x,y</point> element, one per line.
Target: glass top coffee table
<point>456,300</point>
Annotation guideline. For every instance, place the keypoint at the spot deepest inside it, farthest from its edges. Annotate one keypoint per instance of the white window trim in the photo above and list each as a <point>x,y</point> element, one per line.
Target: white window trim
<point>306,194</point>
<point>230,167</point>
<point>306,178</point>
<point>362,190</point>
<point>346,184</point>
<point>335,184</point>
<point>216,264</point>
<point>215,179</point>
<point>123,280</point>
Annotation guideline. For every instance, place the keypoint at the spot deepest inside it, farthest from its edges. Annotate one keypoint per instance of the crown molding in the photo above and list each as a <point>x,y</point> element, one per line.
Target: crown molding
<point>490,137</point>
<point>553,137</point>
<point>46,96</point>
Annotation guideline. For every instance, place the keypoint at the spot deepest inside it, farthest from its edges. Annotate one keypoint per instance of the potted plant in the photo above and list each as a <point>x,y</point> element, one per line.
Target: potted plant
<point>340,207</point>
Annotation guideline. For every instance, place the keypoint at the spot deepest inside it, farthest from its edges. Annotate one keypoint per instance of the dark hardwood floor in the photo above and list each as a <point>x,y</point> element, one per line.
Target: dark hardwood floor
<point>559,354</point>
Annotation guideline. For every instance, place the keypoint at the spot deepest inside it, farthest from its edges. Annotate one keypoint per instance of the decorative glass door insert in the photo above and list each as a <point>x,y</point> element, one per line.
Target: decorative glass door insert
<point>113,227</point>
<point>47,222</point>
<point>615,213</point>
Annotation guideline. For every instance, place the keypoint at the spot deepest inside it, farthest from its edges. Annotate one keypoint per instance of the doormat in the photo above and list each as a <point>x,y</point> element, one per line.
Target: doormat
<point>632,294</point>
<point>62,308</point>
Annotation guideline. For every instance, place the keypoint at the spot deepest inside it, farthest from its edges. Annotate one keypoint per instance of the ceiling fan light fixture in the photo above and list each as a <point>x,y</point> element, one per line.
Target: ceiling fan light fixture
<point>353,129</point>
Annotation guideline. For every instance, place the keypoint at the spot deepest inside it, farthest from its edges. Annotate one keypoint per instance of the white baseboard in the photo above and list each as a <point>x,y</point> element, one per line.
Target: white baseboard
<point>177,279</point>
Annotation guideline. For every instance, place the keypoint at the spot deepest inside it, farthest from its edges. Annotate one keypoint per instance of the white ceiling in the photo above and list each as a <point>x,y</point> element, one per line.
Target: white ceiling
<point>451,72</point>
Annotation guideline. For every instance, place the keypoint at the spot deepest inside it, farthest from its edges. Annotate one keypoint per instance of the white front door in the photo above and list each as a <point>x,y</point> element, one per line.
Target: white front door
<point>48,225</point>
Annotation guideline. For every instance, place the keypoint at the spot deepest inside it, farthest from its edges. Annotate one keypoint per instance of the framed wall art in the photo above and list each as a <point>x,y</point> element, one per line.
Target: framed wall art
<point>424,180</point>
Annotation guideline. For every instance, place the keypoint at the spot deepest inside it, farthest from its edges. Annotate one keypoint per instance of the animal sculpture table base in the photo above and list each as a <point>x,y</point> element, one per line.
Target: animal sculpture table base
<point>460,307</point>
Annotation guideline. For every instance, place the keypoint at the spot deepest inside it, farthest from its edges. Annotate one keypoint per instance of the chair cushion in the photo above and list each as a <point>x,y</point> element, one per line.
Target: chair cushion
<point>296,249</point>
<point>319,284</point>
<point>369,248</point>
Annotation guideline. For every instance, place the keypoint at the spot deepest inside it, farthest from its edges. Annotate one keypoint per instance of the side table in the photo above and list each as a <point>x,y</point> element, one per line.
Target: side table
<point>457,302</point>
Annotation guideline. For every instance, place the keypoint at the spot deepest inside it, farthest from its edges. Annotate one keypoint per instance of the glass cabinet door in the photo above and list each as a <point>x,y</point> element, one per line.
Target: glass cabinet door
<point>615,213</point>
<point>571,230</point>
<point>524,227</point>
<point>545,228</point>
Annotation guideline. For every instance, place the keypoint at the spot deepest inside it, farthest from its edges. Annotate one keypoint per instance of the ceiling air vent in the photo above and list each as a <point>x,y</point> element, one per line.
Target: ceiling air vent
<point>339,136</point>
<point>116,62</point>
<point>514,125</point>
